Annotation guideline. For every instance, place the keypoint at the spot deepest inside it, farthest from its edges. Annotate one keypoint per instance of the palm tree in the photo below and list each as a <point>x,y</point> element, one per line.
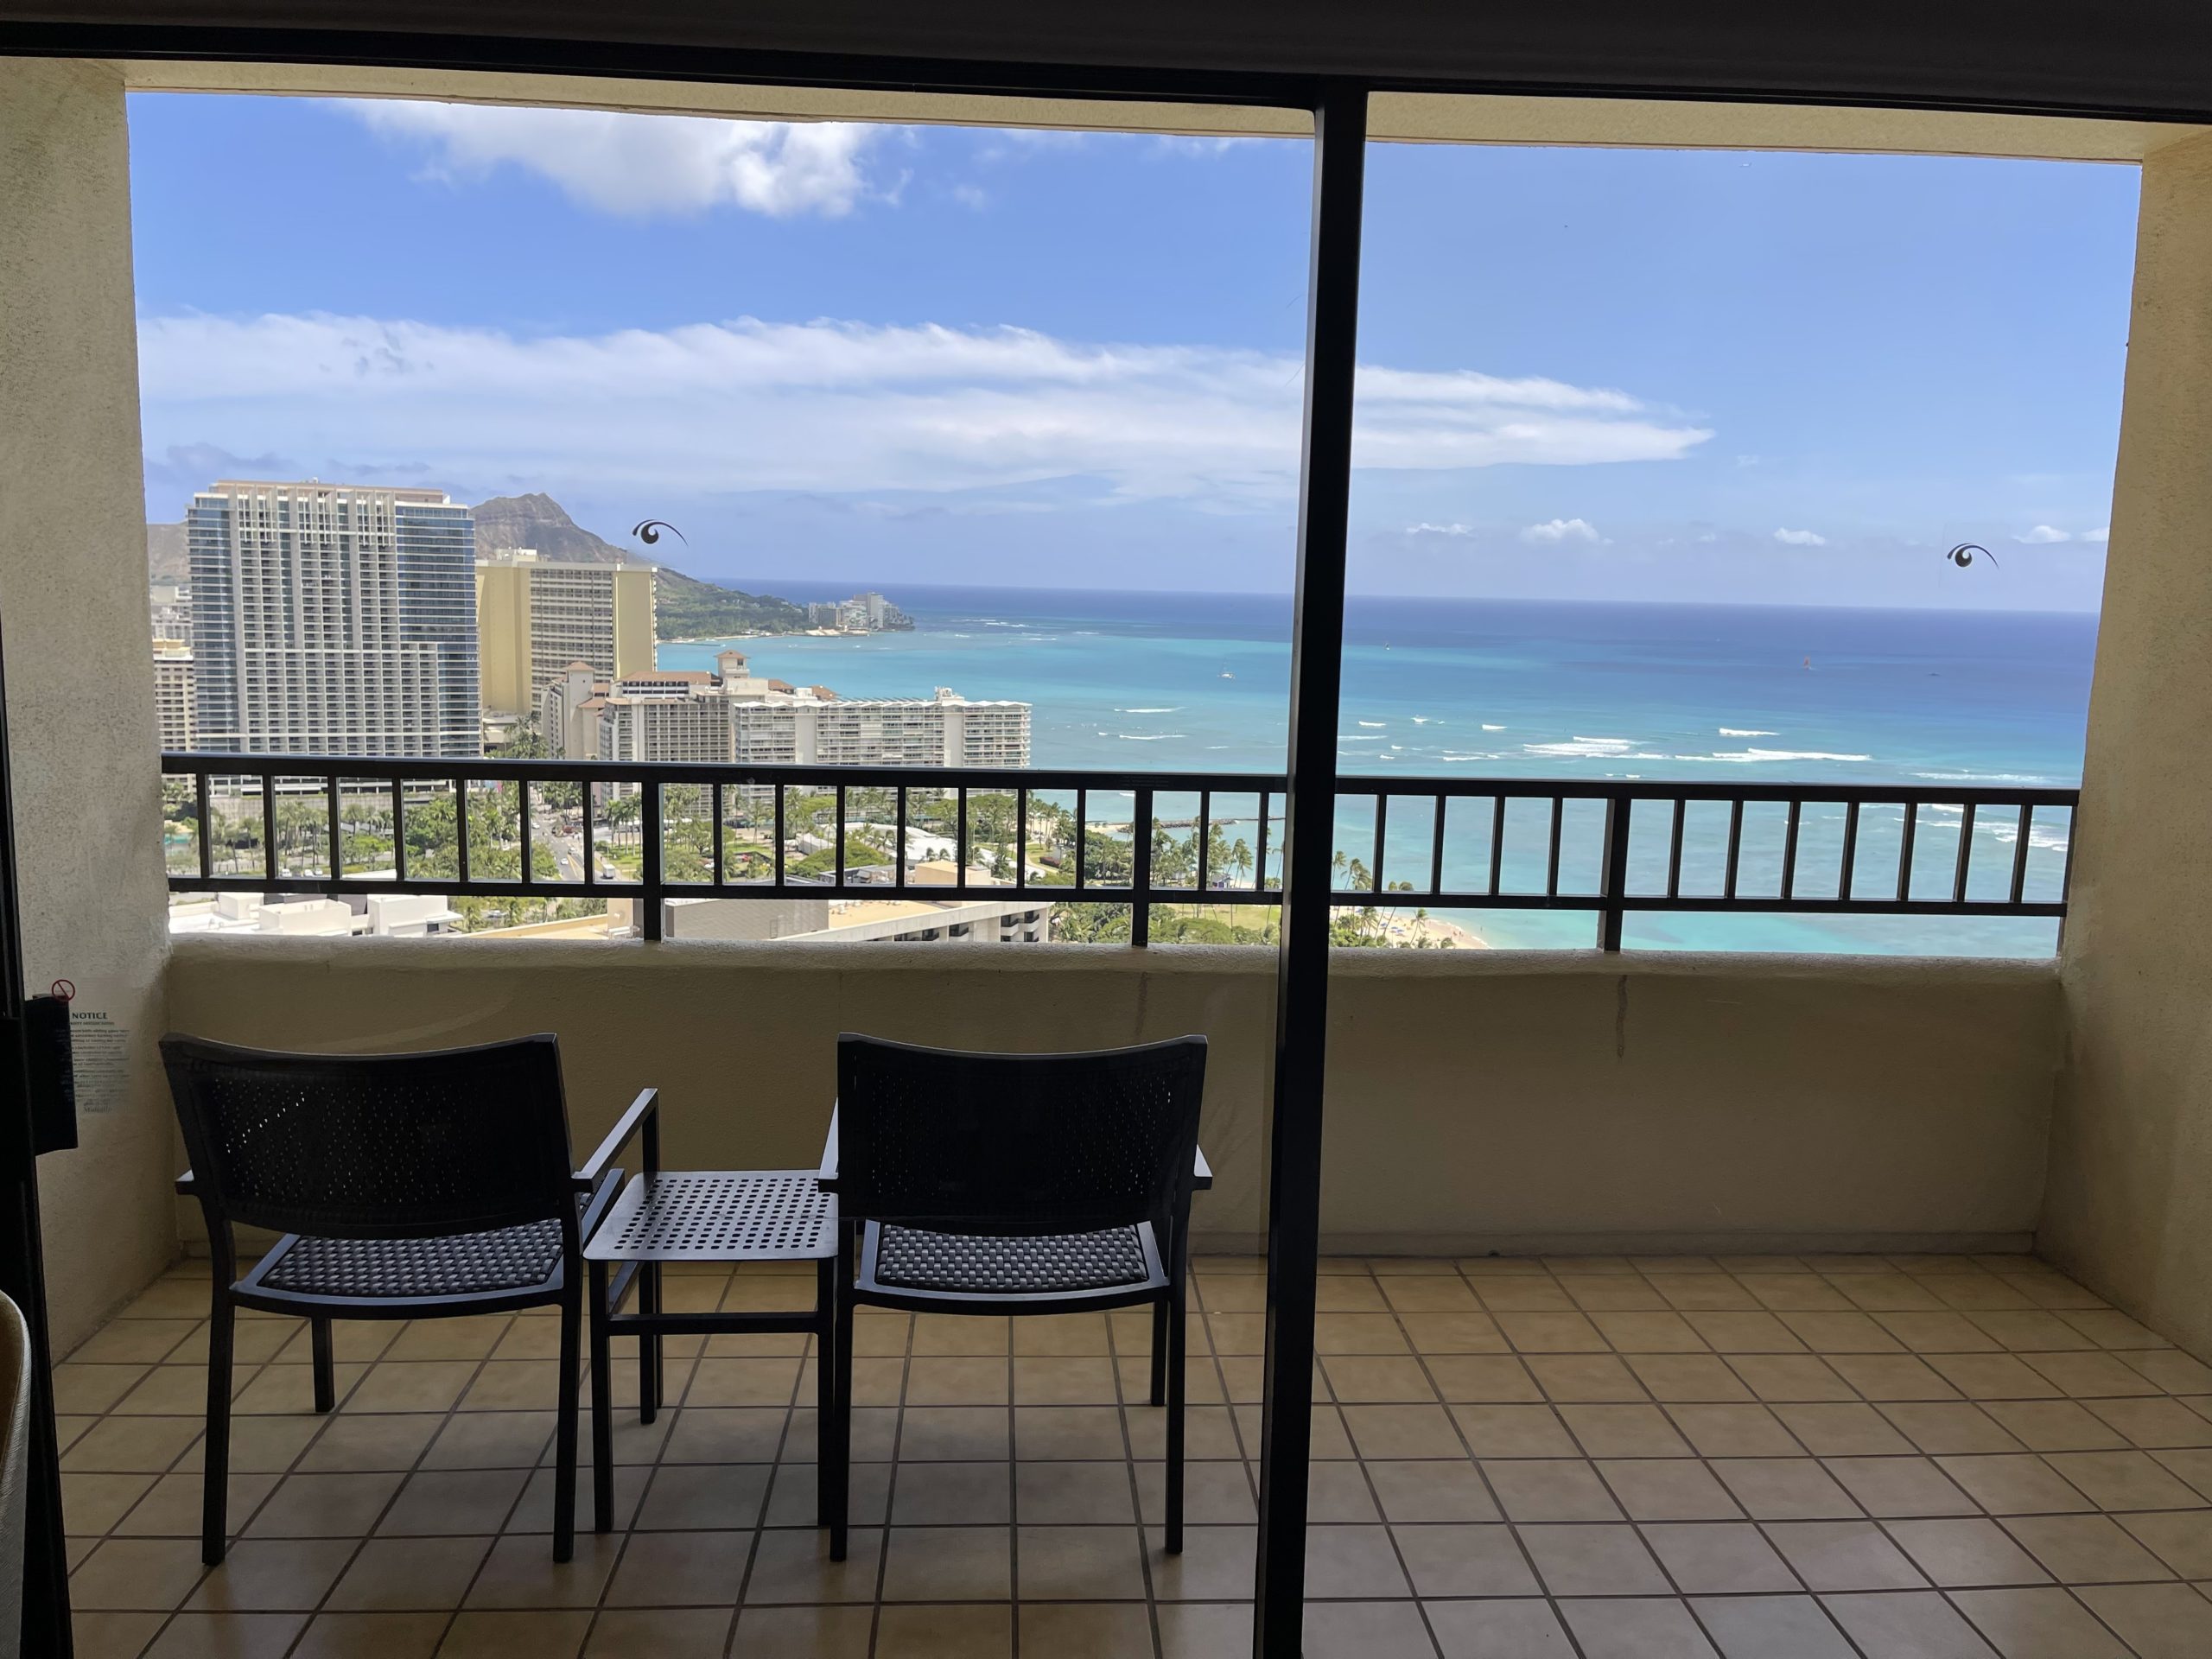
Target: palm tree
<point>623,808</point>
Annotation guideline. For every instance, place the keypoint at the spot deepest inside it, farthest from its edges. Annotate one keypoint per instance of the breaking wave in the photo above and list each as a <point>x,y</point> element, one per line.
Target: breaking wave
<point>1761,757</point>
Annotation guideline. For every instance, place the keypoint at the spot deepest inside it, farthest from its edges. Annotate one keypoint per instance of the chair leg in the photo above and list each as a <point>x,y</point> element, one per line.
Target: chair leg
<point>564,1433</point>
<point>603,1403</point>
<point>215,1467</point>
<point>1177,1379</point>
<point>833,1466</point>
<point>649,1345</point>
<point>825,1383</point>
<point>1160,1353</point>
<point>326,1369</point>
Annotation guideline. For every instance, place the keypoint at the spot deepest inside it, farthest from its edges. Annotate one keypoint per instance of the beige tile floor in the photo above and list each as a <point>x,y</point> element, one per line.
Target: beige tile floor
<point>1764,1458</point>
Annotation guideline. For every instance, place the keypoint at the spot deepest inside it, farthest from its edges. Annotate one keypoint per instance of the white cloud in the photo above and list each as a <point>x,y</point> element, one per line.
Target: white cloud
<point>641,166</point>
<point>839,406</point>
<point>2043,535</point>
<point>1555,530</point>
<point>1801,539</point>
<point>1202,144</point>
<point>1461,532</point>
<point>2101,535</point>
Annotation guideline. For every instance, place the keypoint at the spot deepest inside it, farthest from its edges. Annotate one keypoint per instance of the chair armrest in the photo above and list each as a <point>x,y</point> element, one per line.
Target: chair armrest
<point>644,1113</point>
<point>185,1186</point>
<point>827,1175</point>
<point>1201,1171</point>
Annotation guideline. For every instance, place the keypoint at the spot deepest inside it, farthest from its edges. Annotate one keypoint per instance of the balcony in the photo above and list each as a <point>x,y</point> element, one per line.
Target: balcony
<point>1747,1304</point>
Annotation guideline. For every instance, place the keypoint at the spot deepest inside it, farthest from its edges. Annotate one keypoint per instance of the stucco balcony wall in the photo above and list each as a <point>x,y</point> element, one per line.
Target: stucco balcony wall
<point>1478,1100</point>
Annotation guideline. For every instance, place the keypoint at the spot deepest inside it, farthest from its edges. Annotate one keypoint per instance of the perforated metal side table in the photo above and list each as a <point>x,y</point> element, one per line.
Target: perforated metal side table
<point>723,1215</point>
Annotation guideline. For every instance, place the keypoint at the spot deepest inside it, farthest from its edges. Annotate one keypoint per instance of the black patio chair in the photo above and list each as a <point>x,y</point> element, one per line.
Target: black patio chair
<point>1012,1183</point>
<point>405,1186</point>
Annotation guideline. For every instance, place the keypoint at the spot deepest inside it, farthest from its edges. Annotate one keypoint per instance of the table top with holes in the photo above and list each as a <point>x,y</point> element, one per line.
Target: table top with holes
<point>719,1215</point>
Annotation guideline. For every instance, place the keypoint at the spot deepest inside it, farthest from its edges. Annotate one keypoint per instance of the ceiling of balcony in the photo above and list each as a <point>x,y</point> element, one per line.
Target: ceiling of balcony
<point>2142,57</point>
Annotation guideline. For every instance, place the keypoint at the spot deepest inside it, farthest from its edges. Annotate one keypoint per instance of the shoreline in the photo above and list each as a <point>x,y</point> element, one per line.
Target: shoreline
<point>1408,932</point>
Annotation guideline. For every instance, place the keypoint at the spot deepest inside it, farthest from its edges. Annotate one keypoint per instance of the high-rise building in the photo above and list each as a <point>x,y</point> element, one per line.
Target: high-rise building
<point>171,603</point>
<point>332,618</point>
<point>535,618</point>
<point>172,712</point>
<point>729,715</point>
<point>871,613</point>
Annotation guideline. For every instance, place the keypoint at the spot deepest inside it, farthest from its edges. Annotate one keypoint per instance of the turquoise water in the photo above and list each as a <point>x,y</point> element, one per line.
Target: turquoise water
<point>1468,689</point>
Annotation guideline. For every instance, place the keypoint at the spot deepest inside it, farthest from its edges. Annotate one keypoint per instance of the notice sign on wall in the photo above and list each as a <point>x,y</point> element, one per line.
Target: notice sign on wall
<point>101,1054</point>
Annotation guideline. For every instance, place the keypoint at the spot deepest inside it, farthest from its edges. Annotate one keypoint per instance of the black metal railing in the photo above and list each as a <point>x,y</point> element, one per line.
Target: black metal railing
<point>1612,846</point>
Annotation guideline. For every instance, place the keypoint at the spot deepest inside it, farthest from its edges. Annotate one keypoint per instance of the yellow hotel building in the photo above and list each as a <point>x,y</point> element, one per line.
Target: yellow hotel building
<point>534,618</point>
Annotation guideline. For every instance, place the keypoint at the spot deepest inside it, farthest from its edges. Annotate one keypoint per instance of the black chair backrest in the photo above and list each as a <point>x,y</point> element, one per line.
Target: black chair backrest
<point>1016,1143</point>
<point>376,1145</point>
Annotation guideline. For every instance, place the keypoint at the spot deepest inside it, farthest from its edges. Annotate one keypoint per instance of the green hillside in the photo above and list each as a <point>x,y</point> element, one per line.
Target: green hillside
<point>686,607</point>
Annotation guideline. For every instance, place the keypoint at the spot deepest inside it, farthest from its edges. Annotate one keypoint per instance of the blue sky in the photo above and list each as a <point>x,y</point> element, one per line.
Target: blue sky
<point>948,355</point>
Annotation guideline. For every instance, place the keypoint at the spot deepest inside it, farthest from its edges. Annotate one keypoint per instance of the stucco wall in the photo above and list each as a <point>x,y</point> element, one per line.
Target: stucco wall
<point>2130,1192</point>
<point>80,676</point>
<point>1478,1100</point>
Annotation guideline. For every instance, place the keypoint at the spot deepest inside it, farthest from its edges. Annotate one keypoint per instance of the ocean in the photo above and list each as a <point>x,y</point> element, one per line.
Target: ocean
<point>1477,688</point>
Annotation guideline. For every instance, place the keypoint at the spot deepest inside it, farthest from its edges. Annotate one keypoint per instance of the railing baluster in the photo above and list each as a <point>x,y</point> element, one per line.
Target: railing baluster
<point>837,842</point>
<point>1904,852</point>
<point>1850,851</point>
<point>1613,880</point>
<point>1497,843</point>
<point>1260,870</point>
<point>523,813</point>
<point>337,835</point>
<point>1204,832</point>
<point>1082,834</point>
<point>898,854</point>
<point>201,790</point>
<point>398,830</point>
<point>1675,851</point>
<point>460,828</point>
<point>782,873</point>
<point>269,828</point>
<point>1140,872</point>
<point>1436,849</point>
<point>1021,838</point>
<point>1789,850</point>
<point>1382,818</point>
<point>1551,858</point>
<point>651,900</point>
<point>1735,856</point>
<point>2020,851</point>
<point>1965,856</point>
<point>715,823</point>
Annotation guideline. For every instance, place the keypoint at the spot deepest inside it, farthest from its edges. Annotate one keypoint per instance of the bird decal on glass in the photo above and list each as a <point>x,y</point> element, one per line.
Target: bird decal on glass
<point>1965,553</point>
<point>648,532</point>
